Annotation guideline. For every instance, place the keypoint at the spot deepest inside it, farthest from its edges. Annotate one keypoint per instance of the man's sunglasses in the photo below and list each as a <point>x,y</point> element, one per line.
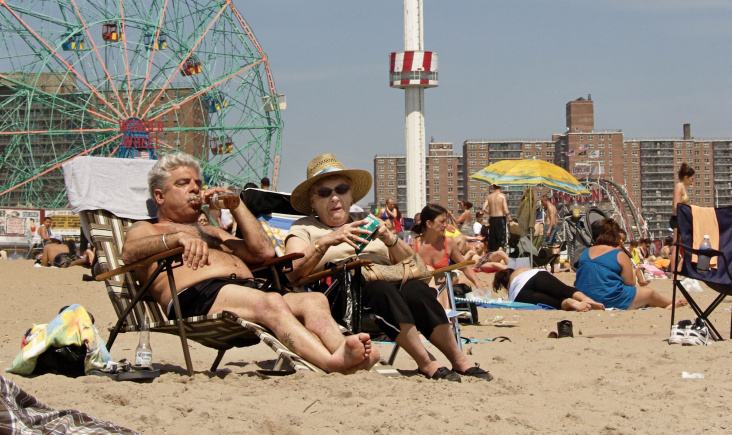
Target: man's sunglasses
<point>325,192</point>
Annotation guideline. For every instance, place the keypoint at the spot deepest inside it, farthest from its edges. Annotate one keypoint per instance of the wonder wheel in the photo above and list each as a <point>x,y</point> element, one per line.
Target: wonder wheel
<point>131,78</point>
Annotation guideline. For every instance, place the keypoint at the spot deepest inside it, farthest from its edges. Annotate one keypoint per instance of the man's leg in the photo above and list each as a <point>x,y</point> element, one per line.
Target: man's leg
<point>272,311</point>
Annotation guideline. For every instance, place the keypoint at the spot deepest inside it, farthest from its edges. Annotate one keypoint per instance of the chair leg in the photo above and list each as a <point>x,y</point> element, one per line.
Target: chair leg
<point>179,316</point>
<point>451,297</point>
<point>393,355</point>
<point>218,359</point>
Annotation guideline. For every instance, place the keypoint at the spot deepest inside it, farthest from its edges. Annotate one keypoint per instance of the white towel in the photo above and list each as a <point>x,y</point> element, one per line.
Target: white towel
<point>113,184</point>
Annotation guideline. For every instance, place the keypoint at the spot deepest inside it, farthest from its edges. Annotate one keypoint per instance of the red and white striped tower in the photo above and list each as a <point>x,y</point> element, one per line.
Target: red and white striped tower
<point>413,70</point>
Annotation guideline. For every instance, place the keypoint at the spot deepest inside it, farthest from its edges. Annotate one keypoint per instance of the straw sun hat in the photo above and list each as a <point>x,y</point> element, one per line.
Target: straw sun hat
<point>326,165</point>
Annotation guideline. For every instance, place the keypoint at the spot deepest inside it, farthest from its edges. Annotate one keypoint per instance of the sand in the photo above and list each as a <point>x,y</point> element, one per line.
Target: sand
<point>625,379</point>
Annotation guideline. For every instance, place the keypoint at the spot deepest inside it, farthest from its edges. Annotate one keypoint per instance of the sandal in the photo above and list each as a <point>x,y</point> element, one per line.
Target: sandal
<point>476,372</point>
<point>442,373</point>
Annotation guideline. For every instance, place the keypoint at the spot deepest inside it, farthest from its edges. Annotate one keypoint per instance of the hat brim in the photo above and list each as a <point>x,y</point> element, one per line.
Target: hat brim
<point>360,186</point>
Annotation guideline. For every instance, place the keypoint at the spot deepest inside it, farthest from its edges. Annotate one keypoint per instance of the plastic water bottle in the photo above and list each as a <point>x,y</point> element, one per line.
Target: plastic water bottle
<point>143,353</point>
<point>702,264</point>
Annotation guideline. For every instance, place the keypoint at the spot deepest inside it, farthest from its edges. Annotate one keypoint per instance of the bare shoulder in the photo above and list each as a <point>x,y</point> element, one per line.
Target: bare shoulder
<point>142,229</point>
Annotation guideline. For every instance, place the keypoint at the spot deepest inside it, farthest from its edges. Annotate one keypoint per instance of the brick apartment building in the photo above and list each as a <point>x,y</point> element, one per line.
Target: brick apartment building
<point>646,167</point>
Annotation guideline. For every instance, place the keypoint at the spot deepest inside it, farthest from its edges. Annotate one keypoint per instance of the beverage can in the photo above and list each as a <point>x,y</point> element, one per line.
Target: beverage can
<point>372,226</point>
<point>224,200</point>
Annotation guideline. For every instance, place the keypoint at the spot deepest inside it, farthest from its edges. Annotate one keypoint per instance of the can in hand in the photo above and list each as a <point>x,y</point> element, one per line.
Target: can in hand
<point>372,226</point>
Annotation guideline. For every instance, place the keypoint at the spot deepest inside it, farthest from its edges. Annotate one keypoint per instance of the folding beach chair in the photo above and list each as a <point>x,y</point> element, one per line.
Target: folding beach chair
<point>100,217</point>
<point>344,284</point>
<point>718,279</point>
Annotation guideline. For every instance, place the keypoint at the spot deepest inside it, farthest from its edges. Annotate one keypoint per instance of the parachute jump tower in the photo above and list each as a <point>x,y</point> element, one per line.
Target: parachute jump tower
<point>414,70</point>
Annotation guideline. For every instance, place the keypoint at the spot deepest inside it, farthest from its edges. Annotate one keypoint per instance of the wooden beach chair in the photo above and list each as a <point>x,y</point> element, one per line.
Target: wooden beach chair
<point>130,297</point>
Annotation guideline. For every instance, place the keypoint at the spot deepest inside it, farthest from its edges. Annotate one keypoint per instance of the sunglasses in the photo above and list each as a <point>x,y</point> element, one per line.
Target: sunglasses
<point>203,222</point>
<point>325,192</point>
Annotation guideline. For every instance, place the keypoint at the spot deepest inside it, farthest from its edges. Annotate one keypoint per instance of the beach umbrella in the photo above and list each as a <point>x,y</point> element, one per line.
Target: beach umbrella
<point>530,173</point>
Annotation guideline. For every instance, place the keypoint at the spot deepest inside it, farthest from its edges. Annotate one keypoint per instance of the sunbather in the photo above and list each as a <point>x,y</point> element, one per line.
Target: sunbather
<point>216,277</point>
<point>538,286</point>
<point>605,273</point>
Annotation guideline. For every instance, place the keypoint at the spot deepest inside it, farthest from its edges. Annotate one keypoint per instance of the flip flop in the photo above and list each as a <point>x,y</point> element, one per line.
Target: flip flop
<point>127,372</point>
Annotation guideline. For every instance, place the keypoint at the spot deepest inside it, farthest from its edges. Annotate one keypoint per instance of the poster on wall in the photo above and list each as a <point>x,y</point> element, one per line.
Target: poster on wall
<point>18,226</point>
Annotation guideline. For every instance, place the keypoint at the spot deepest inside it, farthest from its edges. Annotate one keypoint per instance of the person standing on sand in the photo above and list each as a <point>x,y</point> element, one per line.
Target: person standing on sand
<point>686,179</point>
<point>550,223</point>
<point>215,276</point>
<point>496,207</point>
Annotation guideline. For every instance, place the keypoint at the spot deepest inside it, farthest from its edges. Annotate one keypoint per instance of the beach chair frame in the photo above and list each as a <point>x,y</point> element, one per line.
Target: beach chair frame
<point>719,279</point>
<point>131,299</point>
<point>354,268</point>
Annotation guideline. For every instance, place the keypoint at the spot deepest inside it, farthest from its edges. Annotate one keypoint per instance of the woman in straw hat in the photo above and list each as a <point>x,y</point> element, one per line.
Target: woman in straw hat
<point>330,235</point>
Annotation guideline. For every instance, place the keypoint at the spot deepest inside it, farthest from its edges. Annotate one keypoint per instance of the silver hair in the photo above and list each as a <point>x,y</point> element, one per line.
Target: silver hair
<point>160,173</point>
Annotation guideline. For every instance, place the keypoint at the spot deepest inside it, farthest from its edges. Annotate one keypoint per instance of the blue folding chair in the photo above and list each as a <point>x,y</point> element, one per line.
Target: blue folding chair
<point>718,279</point>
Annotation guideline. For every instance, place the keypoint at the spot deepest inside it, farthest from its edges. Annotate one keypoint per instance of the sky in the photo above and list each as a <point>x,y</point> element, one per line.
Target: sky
<point>506,71</point>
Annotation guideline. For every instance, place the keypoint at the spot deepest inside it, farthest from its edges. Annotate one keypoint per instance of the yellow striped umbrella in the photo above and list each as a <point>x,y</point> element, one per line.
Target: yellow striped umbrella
<point>530,173</point>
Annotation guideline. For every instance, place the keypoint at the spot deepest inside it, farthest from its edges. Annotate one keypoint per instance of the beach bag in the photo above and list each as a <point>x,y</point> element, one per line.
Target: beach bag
<point>397,274</point>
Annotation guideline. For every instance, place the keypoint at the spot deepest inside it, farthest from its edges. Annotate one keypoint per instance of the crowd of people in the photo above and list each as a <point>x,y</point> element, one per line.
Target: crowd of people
<point>216,275</point>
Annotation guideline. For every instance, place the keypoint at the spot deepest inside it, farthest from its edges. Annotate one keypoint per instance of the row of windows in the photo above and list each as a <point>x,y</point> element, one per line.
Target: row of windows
<point>599,136</point>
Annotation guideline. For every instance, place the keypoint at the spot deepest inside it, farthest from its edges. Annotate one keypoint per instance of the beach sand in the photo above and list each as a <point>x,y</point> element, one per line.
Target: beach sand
<point>625,379</point>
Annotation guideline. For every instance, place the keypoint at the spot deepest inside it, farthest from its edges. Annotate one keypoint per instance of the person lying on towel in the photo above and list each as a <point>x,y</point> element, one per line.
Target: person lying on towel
<point>538,286</point>
<point>215,276</point>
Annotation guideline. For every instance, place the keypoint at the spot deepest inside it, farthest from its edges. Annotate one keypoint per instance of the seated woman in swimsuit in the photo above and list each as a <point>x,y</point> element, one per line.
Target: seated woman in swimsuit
<point>605,274</point>
<point>435,248</point>
<point>538,286</point>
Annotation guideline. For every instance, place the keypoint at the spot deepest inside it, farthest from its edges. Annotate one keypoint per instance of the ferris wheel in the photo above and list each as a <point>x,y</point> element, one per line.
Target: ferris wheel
<point>131,79</point>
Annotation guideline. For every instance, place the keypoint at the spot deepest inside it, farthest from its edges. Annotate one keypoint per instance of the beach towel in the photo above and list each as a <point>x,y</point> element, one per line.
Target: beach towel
<point>21,413</point>
<point>72,327</point>
<point>705,223</point>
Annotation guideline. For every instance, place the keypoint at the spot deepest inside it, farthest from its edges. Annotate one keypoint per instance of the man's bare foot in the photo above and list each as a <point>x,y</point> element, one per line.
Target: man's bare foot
<point>680,302</point>
<point>355,351</point>
<point>571,304</point>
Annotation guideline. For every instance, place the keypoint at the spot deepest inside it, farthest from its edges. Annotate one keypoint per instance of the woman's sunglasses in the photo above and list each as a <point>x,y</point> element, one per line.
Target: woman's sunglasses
<point>325,192</point>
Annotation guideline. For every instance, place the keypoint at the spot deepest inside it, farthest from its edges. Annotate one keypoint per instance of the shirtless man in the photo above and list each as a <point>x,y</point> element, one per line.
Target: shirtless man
<point>215,272</point>
<point>550,221</point>
<point>496,207</point>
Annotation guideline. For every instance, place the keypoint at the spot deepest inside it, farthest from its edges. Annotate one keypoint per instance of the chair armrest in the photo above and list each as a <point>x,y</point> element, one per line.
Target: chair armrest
<point>327,272</point>
<point>277,262</point>
<point>706,252</point>
<point>452,267</point>
<point>140,263</point>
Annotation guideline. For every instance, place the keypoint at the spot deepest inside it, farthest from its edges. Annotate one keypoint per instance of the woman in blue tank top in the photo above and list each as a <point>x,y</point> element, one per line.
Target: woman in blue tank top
<point>605,274</point>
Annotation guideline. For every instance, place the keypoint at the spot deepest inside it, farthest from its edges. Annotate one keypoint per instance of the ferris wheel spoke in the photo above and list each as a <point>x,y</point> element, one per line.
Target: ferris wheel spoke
<point>58,165</point>
<point>51,100</point>
<point>191,96</point>
<point>187,56</point>
<point>250,34</point>
<point>150,62</point>
<point>99,56</point>
<point>61,59</point>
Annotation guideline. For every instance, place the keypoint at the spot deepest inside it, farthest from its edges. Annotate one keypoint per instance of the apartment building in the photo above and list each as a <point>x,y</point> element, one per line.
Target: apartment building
<point>646,167</point>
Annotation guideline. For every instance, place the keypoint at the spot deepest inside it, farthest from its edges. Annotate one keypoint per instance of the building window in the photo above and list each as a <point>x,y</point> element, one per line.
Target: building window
<point>449,160</point>
<point>437,198</point>
<point>527,154</point>
<point>538,154</point>
<point>450,198</point>
<point>436,182</point>
<point>435,160</point>
<point>679,160</point>
<point>381,183</point>
<point>449,182</point>
<point>391,161</point>
<point>436,175</point>
<point>389,168</point>
<point>707,200</point>
<point>381,191</point>
<point>381,168</point>
<point>391,176</point>
<point>391,183</point>
<point>381,160</point>
<point>381,175</point>
<point>436,190</point>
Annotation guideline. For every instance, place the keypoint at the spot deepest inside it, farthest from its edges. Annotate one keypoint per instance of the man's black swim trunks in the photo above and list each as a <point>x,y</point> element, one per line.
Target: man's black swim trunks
<point>198,299</point>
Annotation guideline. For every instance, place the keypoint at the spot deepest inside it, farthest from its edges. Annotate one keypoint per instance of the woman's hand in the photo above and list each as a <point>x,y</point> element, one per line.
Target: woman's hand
<point>349,233</point>
<point>385,234</point>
